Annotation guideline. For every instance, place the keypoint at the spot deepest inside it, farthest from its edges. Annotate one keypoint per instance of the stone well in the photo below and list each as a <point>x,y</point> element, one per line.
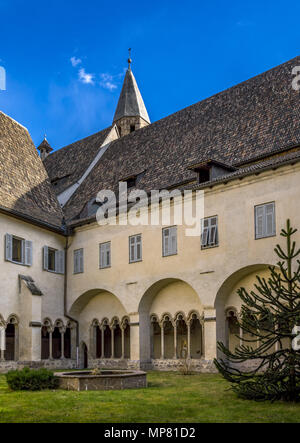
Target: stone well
<point>105,381</point>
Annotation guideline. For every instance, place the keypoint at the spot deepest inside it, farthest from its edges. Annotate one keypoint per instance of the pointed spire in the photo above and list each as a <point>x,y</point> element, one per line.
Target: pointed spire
<point>44,148</point>
<point>129,59</point>
<point>131,103</point>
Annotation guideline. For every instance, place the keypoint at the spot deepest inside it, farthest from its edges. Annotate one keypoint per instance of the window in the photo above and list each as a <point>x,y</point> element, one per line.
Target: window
<point>51,259</point>
<point>169,241</point>
<point>209,232</point>
<point>54,260</point>
<point>132,128</point>
<point>78,261</point>
<point>18,250</point>
<point>135,248</point>
<point>265,220</point>
<point>105,255</point>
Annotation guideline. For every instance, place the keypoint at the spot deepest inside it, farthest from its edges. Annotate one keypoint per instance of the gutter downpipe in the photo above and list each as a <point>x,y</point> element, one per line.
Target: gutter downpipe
<point>65,300</point>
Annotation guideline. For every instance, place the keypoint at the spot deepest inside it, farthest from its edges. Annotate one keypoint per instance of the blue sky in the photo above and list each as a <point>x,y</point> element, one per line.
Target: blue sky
<point>65,60</point>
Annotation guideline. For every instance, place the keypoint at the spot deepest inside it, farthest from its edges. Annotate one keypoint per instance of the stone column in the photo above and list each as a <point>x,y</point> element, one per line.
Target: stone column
<point>135,347</point>
<point>112,342</point>
<point>36,341</point>
<point>123,342</point>
<point>2,343</point>
<point>210,334</point>
<point>102,341</point>
<point>16,355</point>
<point>175,341</point>
<point>62,334</point>
<point>50,344</point>
<point>162,342</point>
<point>188,340</point>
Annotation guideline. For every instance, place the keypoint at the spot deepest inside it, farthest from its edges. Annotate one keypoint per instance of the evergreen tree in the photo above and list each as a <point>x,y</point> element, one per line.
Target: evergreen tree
<point>270,313</point>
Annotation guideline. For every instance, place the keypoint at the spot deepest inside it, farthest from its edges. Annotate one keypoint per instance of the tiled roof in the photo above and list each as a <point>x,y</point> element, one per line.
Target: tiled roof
<point>24,184</point>
<point>255,118</point>
<point>68,164</point>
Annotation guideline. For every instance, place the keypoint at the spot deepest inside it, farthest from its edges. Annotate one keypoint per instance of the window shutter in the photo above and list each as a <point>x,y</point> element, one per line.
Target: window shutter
<point>28,252</point>
<point>75,258</point>
<point>138,248</point>
<point>81,263</point>
<point>132,249</point>
<point>101,256</point>
<point>108,254</point>
<point>213,231</point>
<point>60,262</point>
<point>166,237</point>
<point>270,219</point>
<point>45,254</point>
<point>105,256</point>
<point>259,221</point>
<point>8,247</point>
<point>173,248</point>
<point>78,261</point>
<point>204,234</point>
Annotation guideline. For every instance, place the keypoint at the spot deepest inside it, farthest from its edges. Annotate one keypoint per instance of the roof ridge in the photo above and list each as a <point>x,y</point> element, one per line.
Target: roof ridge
<point>15,121</point>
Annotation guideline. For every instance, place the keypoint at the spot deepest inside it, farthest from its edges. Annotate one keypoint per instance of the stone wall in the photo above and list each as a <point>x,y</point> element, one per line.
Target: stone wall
<point>113,363</point>
<point>201,365</point>
<point>6,366</point>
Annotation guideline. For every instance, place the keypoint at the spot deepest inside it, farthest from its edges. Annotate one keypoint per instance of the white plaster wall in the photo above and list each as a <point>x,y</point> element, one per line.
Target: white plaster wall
<point>50,284</point>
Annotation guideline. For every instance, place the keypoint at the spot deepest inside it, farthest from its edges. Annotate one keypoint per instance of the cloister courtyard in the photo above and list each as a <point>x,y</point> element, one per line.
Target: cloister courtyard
<point>203,398</point>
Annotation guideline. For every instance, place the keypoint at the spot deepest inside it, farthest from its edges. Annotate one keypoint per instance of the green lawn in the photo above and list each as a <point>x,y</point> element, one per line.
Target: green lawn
<point>170,397</point>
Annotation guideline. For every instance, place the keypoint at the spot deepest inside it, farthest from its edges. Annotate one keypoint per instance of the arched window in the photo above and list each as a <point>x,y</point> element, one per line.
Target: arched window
<point>11,339</point>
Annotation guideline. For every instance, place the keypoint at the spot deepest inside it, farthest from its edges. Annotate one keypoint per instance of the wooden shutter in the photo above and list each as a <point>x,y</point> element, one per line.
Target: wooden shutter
<point>132,249</point>
<point>213,231</point>
<point>204,233</point>
<point>107,254</point>
<point>60,262</point>
<point>78,261</point>
<point>81,261</point>
<point>46,256</point>
<point>138,248</point>
<point>173,240</point>
<point>259,221</point>
<point>105,258</point>
<point>270,219</point>
<point>27,245</point>
<point>166,240</point>
<point>8,247</point>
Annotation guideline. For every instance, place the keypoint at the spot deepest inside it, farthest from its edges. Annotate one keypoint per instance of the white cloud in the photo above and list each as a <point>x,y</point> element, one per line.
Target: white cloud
<point>86,78</point>
<point>107,82</point>
<point>75,61</point>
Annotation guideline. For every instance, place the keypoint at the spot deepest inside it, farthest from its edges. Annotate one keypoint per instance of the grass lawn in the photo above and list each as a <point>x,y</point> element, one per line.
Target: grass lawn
<point>170,397</point>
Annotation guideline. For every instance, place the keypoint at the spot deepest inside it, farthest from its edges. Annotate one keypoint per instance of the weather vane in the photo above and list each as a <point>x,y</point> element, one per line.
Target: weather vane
<point>129,59</point>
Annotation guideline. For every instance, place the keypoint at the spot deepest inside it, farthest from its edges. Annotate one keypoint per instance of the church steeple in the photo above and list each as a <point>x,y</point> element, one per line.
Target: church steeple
<point>44,148</point>
<point>131,113</point>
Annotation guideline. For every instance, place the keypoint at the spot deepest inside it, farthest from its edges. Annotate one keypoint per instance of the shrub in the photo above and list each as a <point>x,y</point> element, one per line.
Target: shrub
<point>31,380</point>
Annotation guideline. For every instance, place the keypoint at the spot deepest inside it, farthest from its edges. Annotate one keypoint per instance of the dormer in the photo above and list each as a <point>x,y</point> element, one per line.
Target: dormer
<point>210,170</point>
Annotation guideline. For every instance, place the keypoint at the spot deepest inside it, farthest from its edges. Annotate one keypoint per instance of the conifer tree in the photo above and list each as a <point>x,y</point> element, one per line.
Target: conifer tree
<point>268,316</point>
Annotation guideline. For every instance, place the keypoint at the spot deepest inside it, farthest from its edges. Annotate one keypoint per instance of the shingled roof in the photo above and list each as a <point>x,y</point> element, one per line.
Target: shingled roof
<point>25,188</point>
<point>255,118</point>
<point>67,165</point>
